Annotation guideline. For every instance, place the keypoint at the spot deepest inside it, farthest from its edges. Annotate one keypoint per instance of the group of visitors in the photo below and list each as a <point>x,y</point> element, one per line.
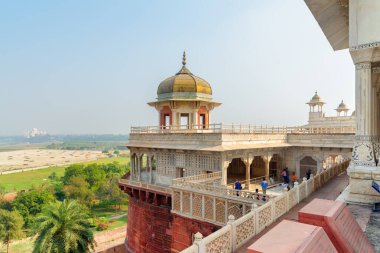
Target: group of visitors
<point>288,182</point>
<point>293,178</point>
<point>263,184</point>
<point>285,175</point>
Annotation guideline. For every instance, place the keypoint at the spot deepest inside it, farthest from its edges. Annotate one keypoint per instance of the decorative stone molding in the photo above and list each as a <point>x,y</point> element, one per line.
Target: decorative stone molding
<point>366,46</point>
<point>360,66</point>
<point>364,150</point>
<point>376,70</point>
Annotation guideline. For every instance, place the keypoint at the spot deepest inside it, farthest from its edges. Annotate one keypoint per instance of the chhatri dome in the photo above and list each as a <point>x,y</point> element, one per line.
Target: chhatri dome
<point>184,100</point>
<point>184,85</point>
<point>342,107</point>
<point>316,100</point>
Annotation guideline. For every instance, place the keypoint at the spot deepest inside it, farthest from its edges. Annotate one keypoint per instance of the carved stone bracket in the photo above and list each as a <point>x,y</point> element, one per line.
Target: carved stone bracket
<point>366,150</point>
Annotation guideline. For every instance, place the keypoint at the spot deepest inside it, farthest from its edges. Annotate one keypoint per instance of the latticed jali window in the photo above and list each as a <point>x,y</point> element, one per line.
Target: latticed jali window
<point>209,208</point>
<point>236,209</point>
<point>192,163</point>
<point>197,205</point>
<point>177,201</point>
<point>220,205</point>
<point>186,202</point>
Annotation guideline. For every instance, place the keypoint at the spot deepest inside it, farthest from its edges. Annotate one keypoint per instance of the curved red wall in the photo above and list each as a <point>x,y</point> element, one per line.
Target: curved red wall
<point>148,227</point>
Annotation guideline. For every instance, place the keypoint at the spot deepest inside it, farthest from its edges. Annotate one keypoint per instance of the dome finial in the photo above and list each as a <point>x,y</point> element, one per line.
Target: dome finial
<point>184,58</point>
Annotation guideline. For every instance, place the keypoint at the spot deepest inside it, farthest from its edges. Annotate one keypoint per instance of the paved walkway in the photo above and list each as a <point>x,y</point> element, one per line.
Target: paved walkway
<point>331,191</point>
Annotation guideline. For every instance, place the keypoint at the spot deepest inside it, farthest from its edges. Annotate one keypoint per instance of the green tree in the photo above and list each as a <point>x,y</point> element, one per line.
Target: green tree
<point>10,226</point>
<point>53,176</point>
<point>78,188</point>
<point>2,191</point>
<point>74,170</point>
<point>114,168</point>
<point>63,227</point>
<point>94,175</point>
<point>116,152</point>
<point>110,194</point>
<point>30,203</point>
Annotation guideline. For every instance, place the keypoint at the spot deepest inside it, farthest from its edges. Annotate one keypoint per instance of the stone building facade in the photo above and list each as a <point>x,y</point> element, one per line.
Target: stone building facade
<point>185,144</point>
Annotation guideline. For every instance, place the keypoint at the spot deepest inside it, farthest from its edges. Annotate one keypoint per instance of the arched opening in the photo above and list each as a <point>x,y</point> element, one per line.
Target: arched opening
<point>275,167</point>
<point>257,167</point>
<point>166,118</point>
<point>203,117</point>
<point>235,170</point>
<point>307,163</point>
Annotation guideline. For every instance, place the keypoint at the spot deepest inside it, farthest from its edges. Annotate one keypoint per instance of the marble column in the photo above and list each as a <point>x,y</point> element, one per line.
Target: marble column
<point>224,171</point>
<point>194,123</point>
<point>267,162</point>
<point>364,152</point>
<point>365,155</point>
<point>247,173</point>
<point>132,166</point>
<point>139,163</point>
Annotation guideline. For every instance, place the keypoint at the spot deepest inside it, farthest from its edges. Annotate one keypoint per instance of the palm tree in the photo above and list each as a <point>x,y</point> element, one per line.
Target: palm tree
<point>10,226</point>
<point>63,227</point>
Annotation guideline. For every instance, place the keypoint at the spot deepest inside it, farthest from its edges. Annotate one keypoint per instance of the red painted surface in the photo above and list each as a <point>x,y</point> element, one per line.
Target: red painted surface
<point>184,228</point>
<point>289,237</point>
<point>339,224</point>
<point>203,110</point>
<point>165,110</point>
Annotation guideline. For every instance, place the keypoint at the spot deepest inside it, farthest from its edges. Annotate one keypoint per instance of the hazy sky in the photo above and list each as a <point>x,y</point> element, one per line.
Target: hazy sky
<point>91,66</point>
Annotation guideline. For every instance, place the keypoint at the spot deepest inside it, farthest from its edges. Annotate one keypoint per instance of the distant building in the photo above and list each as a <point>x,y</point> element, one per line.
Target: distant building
<point>35,133</point>
<point>317,117</point>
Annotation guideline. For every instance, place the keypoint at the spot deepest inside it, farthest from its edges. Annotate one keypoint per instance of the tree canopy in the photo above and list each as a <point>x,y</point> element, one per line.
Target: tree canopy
<point>63,227</point>
<point>10,226</point>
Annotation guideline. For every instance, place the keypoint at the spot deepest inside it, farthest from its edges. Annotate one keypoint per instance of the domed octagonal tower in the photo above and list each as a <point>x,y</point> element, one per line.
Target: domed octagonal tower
<point>184,101</point>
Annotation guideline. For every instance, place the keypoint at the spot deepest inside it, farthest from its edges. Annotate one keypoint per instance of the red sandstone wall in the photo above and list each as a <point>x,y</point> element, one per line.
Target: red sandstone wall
<point>148,227</point>
<point>183,230</point>
<point>153,229</point>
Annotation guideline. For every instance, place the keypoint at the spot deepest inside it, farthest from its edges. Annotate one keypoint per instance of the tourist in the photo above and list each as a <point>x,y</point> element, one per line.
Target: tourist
<point>237,187</point>
<point>308,173</point>
<point>264,186</point>
<point>257,194</point>
<point>287,175</point>
<point>283,174</point>
<point>294,179</point>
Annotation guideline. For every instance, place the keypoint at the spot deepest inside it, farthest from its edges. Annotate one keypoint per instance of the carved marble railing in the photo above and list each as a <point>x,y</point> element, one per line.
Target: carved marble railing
<point>200,184</point>
<point>198,178</point>
<point>139,184</point>
<point>240,129</point>
<point>237,232</point>
<point>209,207</point>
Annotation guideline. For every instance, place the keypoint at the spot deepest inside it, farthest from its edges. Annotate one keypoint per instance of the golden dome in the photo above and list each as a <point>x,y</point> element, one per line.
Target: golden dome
<point>184,85</point>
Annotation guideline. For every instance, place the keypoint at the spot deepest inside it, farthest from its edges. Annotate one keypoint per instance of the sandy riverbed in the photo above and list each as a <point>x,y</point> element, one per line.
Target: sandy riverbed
<point>34,158</point>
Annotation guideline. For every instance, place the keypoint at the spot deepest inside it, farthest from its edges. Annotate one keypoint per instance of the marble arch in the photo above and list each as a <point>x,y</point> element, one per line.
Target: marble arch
<point>314,157</point>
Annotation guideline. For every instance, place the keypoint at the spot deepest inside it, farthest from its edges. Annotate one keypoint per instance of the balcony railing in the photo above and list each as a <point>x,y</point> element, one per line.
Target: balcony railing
<point>242,228</point>
<point>204,184</point>
<point>139,184</point>
<point>241,129</point>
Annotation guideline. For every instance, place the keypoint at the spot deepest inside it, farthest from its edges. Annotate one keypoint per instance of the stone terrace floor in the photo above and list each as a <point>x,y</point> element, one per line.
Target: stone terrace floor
<point>368,220</point>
